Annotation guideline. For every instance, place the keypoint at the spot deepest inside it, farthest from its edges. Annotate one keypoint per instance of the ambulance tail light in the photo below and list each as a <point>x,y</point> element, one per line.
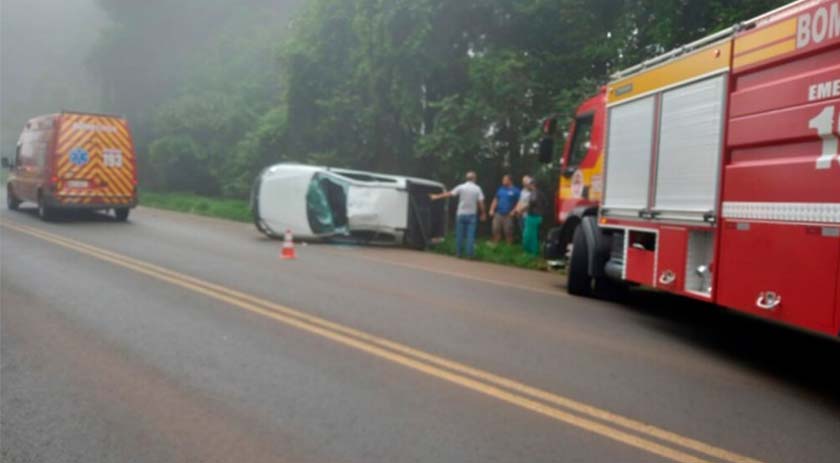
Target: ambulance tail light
<point>55,183</point>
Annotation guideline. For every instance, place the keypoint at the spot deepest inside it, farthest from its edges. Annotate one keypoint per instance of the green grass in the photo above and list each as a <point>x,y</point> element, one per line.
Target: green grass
<point>230,209</point>
<point>502,253</point>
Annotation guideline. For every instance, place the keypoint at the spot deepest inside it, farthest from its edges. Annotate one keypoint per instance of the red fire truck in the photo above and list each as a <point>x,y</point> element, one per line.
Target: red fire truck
<point>713,172</point>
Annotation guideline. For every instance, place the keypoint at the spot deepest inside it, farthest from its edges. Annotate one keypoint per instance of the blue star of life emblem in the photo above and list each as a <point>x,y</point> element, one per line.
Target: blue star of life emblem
<point>79,156</point>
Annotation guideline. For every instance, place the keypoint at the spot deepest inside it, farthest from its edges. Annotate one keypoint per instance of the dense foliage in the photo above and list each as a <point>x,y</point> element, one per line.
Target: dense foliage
<point>216,89</point>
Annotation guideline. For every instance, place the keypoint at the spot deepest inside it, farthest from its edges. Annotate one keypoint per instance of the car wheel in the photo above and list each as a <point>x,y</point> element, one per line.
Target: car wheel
<point>579,281</point>
<point>12,202</point>
<point>122,213</point>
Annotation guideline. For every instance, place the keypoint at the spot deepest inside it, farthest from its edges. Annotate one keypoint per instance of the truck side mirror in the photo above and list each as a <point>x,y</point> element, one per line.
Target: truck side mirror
<point>568,172</point>
<point>547,143</point>
<point>546,150</point>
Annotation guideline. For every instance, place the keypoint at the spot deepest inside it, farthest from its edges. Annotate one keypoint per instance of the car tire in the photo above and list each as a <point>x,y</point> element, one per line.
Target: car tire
<point>45,212</point>
<point>12,202</point>
<point>121,213</point>
<point>579,282</point>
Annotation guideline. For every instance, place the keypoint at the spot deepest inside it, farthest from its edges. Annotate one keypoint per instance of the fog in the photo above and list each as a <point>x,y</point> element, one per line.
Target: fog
<point>131,57</point>
<point>43,48</point>
<point>216,90</point>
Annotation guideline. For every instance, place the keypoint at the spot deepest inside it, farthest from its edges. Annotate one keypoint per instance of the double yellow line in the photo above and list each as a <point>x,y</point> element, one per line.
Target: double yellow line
<point>634,433</point>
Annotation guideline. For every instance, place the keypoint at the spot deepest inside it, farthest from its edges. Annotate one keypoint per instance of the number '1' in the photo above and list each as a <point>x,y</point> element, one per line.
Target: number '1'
<point>823,124</point>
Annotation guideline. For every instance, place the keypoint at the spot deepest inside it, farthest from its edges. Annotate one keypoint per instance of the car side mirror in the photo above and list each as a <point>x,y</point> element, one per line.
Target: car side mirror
<point>546,150</point>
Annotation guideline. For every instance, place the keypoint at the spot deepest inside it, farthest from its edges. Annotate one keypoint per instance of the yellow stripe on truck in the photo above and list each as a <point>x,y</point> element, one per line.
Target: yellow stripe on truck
<point>765,36</point>
<point>764,54</point>
<point>588,176</point>
<point>708,60</point>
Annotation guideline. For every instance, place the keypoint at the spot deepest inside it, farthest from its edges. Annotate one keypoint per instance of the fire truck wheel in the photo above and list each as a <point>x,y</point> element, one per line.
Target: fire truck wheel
<point>579,282</point>
<point>611,290</point>
<point>12,202</point>
<point>121,213</point>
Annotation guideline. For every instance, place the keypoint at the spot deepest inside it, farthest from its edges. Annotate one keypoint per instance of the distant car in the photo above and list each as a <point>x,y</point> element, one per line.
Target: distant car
<point>325,203</point>
<point>74,160</point>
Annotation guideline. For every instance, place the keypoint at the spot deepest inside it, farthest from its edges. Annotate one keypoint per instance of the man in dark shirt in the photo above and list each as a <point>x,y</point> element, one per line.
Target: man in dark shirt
<point>533,220</point>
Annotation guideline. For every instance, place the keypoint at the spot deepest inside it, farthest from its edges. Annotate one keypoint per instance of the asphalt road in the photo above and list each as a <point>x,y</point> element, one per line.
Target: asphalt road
<point>180,339</point>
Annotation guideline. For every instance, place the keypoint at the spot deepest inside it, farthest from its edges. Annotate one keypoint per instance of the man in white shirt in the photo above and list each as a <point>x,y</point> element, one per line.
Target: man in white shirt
<point>470,202</point>
<point>524,201</point>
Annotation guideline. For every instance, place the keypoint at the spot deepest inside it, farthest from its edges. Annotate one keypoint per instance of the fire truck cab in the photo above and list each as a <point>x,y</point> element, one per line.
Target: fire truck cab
<point>716,172</point>
<point>582,173</point>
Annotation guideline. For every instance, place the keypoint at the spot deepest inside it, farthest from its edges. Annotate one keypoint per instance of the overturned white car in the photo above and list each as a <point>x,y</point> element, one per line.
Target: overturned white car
<point>328,203</point>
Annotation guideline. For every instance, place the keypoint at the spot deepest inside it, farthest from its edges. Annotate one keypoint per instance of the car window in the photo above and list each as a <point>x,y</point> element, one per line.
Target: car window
<point>326,204</point>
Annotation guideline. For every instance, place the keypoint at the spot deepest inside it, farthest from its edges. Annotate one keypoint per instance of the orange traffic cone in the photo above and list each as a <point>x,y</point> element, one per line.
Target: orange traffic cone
<point>288,252</point>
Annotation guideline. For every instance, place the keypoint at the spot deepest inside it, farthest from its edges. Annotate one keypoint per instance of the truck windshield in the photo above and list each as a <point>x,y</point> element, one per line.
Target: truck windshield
<point>581,141</point>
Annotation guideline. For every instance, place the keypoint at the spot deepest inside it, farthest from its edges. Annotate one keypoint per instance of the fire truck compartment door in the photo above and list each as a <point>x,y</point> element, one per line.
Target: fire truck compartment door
<point>670,260</point>
<point>795,262</point>
<point>629,147</point>
<point>690,143</point>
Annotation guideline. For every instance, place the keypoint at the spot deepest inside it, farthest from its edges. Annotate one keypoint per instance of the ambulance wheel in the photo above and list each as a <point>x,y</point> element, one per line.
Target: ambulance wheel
<point>579,282</point>
<point>44,212</point>
<point>12,202</point>
<point>121,213</point>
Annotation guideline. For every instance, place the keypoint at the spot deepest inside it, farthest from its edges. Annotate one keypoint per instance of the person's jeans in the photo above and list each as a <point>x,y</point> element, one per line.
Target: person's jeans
<point>465,232</point>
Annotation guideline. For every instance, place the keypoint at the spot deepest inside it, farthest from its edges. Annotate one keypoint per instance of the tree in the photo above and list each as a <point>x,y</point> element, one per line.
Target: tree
<point>423,87</point>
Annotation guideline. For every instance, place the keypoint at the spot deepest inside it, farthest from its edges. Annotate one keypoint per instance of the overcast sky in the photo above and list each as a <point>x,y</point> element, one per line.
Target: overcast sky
<point>43,45</point>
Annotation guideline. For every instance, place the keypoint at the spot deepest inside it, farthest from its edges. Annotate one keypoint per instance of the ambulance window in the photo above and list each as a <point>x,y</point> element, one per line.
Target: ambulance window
<point>27,149</point>
<point>39,149</point>
<point>33,148</point>
<point>581,141</point>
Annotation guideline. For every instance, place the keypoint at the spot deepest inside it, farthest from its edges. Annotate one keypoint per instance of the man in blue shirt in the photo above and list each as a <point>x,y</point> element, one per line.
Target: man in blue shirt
<point>502,210</point>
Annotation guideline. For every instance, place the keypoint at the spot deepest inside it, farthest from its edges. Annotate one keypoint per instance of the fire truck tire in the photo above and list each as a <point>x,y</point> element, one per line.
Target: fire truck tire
<point>12,202</point>
<point>45,212</point>
<point>609,289</point>
<point>579,282</point>
<point>121,213</point>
